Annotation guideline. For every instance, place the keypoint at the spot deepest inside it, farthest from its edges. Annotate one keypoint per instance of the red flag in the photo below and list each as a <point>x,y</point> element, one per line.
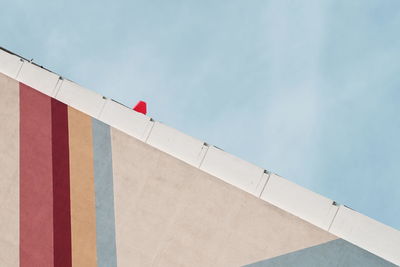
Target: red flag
<point>141,107</point>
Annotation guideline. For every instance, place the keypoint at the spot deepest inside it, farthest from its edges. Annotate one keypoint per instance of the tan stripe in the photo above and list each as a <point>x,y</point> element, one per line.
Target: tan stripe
<point>9,166</point>
<point>83,210</point>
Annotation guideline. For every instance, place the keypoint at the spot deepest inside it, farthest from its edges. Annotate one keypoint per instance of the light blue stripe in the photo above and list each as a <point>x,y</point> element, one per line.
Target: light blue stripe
<point>336,253</point>
<point>103,180</point>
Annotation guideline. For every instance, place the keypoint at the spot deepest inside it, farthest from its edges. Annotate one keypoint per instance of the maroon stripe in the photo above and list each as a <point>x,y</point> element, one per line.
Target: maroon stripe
<point>61,186</point>
<point>36,185</point>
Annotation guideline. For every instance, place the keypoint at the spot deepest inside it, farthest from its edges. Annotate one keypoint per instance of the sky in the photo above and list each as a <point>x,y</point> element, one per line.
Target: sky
<point>309,90</point>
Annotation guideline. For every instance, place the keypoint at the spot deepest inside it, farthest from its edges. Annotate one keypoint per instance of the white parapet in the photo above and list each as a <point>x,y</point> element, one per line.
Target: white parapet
<point>80,98</point>
<point>299,201</point>
<point>38,78</point>
<point>126,120</point>
<point>9,64</point>
<point>367,233</point>
<point>177,144</point>
<point>234,171</point>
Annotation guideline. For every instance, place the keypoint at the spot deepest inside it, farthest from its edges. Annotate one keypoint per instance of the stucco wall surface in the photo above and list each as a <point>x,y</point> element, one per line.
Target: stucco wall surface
<point>9,174</point>
<point>169,213</point>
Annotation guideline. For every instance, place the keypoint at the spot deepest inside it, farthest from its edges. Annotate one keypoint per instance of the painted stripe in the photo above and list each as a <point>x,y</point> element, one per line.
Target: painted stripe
<point>333,253</point>
<point>9,166</point>
<point>83,210</point>
<point>105,219</point>
<point>61,190</point>
<point>36,181</point>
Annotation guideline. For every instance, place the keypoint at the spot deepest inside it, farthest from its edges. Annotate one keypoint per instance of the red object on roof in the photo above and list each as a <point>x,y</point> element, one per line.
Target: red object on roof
<point>141,107</point>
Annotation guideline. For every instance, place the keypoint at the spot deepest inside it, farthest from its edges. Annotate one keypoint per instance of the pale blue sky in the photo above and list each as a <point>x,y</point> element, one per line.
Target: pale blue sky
<point>307,89</point>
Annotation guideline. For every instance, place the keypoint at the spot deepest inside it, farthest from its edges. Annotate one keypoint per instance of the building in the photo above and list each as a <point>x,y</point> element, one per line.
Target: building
<point>86,181</point>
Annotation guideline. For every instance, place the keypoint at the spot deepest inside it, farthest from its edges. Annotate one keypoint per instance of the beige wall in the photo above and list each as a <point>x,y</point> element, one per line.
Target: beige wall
<point>167,212</point>
<point>9,166</point>
<point>171,214</point>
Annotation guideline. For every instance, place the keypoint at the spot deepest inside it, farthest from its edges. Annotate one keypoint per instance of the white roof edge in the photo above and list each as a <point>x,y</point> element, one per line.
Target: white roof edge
<point>323,212</point>
<point>367,233</point>
<point>300,201</point>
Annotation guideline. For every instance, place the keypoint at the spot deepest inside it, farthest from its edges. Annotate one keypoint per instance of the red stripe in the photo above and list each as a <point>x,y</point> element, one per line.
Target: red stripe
<point>61,186</point>
<point>36,181</point>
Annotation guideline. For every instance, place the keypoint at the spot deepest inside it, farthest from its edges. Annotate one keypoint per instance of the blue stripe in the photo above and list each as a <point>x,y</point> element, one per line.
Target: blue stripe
<point>103,180</point>
<point>333,253</point>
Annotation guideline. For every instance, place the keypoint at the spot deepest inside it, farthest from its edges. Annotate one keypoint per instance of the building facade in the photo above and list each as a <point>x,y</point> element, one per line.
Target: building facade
<point>86,181</point>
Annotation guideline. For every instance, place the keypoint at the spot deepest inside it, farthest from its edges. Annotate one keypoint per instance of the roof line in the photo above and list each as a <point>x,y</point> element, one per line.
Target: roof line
<point>23,58</point>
